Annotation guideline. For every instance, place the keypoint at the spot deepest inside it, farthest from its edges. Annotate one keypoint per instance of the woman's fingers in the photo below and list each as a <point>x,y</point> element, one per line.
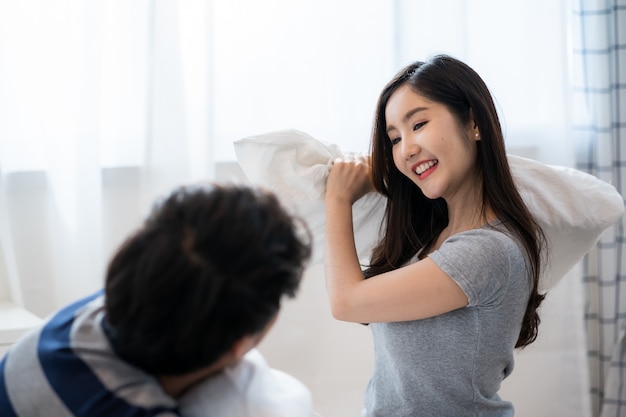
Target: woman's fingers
<point>349,177</point>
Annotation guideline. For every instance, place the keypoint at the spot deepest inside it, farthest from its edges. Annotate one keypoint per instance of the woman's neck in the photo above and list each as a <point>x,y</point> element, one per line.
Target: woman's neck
<point>460,219</point>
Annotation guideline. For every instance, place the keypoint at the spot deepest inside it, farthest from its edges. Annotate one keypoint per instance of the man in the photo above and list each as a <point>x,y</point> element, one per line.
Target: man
<point>186,297</point>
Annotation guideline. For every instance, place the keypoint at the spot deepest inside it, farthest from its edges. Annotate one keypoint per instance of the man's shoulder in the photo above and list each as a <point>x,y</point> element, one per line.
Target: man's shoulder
<point>250,388</point>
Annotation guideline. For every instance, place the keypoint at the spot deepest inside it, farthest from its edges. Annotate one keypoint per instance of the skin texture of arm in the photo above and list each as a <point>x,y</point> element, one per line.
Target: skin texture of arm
<point>413,292</point>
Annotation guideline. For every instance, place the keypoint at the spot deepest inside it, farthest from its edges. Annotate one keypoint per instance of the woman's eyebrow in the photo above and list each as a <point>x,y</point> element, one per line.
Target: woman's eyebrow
<point>407,116</point>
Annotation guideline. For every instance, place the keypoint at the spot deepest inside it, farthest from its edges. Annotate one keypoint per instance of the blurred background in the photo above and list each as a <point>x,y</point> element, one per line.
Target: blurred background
<point>106,105</point>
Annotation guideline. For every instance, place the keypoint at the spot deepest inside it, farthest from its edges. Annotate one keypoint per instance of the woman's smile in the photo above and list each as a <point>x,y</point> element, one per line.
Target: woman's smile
<point>423,169</point>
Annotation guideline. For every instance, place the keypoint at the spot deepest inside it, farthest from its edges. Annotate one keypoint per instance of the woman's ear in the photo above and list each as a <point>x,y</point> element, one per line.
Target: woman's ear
<point>474,132</point>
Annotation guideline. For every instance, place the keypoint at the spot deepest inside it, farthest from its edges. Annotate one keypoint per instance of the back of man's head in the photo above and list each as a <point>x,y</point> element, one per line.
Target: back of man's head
<point>209,266</point>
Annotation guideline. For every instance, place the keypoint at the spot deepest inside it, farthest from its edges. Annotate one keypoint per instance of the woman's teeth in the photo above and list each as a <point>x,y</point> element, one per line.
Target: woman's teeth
<point>423,167</point>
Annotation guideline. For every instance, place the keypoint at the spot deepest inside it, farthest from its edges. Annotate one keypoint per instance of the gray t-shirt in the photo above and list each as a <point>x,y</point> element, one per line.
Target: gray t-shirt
<point>453,364</point>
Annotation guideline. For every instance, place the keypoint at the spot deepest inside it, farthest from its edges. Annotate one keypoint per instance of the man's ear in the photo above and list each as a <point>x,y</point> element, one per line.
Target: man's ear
<point>246,343</point>
<point>243,346</point>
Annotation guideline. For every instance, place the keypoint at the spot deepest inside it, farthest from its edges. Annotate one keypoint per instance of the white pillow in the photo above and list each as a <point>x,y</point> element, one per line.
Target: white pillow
<point>572,207</point>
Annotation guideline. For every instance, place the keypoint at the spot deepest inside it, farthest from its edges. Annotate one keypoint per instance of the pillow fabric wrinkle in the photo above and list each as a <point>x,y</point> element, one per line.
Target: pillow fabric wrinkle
<point>572,207</point>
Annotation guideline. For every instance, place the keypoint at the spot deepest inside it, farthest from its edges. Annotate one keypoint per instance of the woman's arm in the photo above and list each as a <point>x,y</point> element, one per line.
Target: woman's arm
<point>416,291</point>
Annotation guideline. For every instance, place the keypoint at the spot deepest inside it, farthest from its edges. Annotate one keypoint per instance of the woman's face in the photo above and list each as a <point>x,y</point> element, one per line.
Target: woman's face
<point>429,146</point>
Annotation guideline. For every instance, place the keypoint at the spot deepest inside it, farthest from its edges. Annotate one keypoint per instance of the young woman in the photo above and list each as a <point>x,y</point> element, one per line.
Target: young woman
<point>451,289</point>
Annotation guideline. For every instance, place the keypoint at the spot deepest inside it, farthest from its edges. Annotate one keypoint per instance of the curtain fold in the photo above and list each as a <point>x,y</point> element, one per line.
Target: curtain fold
<point>165,107</point>
<point>8,266</point>
<point>599,42</point>
<point>94,125</point>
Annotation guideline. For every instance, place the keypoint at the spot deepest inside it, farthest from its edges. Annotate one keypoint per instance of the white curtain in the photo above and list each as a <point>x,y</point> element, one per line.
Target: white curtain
<point>102,109</point>
<point>105,105</point>
<point>599,80</point>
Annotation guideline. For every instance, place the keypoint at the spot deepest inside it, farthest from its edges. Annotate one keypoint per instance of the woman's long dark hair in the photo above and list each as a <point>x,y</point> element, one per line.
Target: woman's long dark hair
<point>412,221</point>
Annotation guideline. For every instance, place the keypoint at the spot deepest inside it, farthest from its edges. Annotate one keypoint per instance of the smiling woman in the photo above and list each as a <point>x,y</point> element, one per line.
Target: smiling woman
<point>455,274</point>
<point>106,105</point>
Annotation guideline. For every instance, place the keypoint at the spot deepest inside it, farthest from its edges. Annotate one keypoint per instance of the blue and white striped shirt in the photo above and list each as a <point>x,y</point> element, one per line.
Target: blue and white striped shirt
<point>67,368</point>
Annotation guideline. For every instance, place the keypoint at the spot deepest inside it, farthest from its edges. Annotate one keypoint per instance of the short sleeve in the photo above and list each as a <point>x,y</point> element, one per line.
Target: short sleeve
<point>482,262</point>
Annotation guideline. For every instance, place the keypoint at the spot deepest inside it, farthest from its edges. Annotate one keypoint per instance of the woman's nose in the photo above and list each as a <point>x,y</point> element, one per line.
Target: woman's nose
<point>409,149</point>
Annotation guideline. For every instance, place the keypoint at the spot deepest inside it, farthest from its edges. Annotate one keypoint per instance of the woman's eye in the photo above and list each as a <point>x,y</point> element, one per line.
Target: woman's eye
<point>418,125</point>
<point>395,141</point>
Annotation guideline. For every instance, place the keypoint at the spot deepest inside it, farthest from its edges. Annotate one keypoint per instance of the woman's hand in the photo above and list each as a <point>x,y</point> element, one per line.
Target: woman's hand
<point>349,178</point>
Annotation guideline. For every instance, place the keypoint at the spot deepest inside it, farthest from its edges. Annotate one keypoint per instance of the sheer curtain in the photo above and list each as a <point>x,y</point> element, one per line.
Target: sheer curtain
<point>599,79</point>
<point>105,105</point>
<point>103,108</point>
